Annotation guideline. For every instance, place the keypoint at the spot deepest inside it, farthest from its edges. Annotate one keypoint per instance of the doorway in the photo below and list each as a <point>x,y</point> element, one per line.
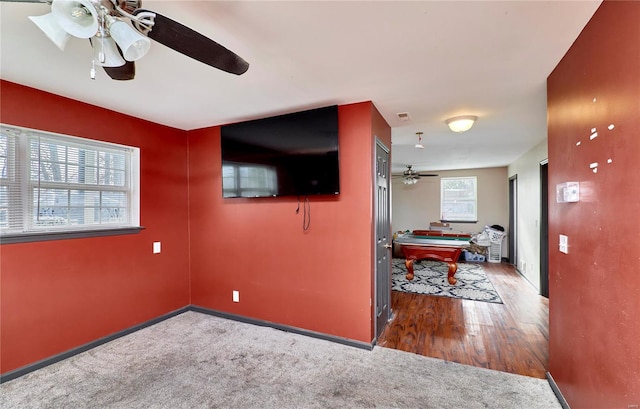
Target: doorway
<point>383,239</point>
<point>513,220</point>
<point>544,229</point>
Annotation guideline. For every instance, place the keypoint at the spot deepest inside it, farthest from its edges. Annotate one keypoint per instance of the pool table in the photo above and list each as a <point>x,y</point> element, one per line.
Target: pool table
<point>433,245</point>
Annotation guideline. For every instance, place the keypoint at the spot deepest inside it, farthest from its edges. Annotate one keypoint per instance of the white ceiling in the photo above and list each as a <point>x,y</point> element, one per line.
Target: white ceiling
<point>432,59</point>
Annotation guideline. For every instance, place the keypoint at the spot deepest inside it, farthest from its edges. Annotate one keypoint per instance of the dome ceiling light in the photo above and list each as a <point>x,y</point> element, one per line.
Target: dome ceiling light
<point>461,123</point>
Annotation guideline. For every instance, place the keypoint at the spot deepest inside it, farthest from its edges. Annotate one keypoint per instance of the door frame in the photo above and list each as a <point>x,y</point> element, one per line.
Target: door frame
<point>513,220</point>
<point>544,228</point>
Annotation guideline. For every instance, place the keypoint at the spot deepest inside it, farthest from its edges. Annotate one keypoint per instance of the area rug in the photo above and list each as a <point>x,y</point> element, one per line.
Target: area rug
<point>431,278</point>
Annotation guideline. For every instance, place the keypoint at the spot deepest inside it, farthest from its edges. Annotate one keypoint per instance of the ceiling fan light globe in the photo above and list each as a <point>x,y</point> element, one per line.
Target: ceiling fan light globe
<point>133,44</point>
<point>47,23</point>
<point>78,18</point>
<point>105,52</point>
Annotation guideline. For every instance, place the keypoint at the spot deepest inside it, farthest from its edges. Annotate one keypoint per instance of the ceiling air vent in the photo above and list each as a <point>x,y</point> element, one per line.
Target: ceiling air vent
<point>403,116</point>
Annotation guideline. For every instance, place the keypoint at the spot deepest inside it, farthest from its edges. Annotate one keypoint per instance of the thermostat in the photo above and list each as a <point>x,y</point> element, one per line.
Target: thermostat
<point>568,192</point>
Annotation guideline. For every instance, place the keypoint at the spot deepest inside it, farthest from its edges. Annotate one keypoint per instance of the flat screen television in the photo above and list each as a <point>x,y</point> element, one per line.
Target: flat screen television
<point>287,155</point>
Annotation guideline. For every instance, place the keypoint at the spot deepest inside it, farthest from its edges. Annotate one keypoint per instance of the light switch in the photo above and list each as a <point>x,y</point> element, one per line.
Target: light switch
<point>564,244</point>
<point>156,247</point>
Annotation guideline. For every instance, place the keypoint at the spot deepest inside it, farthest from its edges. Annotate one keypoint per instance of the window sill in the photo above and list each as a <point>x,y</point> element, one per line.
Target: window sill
<point>64,235</point>
<point>459,221</point>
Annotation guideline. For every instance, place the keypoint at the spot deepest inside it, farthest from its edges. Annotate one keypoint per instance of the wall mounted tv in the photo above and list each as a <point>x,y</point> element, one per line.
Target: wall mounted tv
<point>288,155</point>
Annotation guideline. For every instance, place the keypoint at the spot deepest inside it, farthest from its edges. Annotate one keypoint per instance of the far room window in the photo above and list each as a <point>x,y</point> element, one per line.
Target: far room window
<point>459,199</point>
<point>57,183</point>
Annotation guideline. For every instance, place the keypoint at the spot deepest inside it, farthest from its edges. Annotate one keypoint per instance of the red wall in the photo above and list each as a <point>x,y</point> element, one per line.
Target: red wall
<point>319,280</point>
<point>58,295</point>
<point>594,308</point>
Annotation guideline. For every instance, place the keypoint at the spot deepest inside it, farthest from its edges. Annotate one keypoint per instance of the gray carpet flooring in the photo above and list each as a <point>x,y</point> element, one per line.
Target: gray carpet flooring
<point>195,360</point>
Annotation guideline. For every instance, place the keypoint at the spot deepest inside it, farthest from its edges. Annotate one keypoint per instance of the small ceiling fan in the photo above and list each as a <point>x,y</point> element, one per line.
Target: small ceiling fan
<point>411,177</point>
<point>117,45</point>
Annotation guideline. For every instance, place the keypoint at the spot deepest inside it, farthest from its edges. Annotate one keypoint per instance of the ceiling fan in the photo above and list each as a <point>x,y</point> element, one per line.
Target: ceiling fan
<point>117,45</point>
<point>410,176</point>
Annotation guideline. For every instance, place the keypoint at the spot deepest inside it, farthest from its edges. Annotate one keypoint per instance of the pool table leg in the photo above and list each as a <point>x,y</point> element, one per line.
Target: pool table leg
<point>453,267</point>
<point>409,264</point>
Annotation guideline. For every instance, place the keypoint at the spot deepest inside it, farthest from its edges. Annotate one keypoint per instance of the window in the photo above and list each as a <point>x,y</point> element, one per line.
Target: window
<point>458,199</point>
<point>240,180</point>
<point>56,183</point>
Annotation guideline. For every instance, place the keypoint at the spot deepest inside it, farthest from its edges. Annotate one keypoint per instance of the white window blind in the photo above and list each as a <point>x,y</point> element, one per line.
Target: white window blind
<point>458,199</point>
<point>9,180</point>
<point>52,182</point>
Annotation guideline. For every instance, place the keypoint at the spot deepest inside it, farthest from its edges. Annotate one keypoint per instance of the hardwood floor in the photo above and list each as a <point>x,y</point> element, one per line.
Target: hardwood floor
<point>511,337</point>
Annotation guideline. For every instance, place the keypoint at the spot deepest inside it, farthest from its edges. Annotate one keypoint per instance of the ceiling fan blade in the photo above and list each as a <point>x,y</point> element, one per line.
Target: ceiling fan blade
<point>193,44</point>
<point>123,73</point>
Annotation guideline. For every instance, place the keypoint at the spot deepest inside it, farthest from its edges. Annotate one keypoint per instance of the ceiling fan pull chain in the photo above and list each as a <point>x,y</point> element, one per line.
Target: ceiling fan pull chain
<point>92,73</point>
<point>103,30</point>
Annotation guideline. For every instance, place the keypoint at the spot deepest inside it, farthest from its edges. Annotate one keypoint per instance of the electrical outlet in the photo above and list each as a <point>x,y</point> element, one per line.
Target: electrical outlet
<point>236,296</point>
<point>156,247</point>
<point>530,266</point>
<point>524,266</point>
